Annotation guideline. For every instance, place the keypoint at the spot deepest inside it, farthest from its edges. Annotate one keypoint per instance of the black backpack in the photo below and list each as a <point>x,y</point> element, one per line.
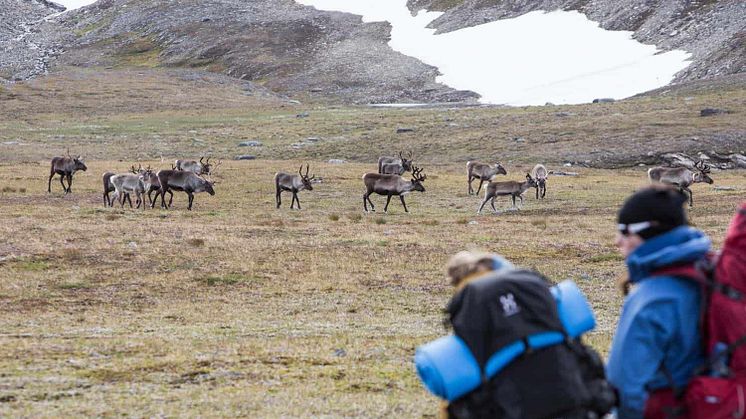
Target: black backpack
<point>565,380</point>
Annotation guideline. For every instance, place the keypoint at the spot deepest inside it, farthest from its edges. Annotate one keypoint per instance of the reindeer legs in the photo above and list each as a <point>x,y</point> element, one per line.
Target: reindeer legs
<point>366,200</point>
<point>62,178</point>
<point>295,197</point>
<point>49,184</point>
<point>401,197</point>
<point>471,190</point>
<point>691,196</point>
<point>278,198</point>
<point>388,199</point>
<point>480,185</point>
<point>69,183</point>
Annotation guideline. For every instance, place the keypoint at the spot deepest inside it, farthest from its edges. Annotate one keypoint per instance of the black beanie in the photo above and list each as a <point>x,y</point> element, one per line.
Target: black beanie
<point>663,206</point>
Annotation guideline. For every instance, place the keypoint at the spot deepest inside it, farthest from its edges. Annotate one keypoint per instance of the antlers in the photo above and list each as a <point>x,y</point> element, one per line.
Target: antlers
<point>300,172</point>
<point>417,174</point>
<point>702,166</point>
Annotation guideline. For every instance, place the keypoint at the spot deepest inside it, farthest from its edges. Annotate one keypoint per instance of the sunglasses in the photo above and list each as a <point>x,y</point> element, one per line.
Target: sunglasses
<point>634,228</point>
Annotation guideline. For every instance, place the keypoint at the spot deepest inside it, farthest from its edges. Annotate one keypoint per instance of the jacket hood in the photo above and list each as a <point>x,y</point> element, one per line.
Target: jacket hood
<point>681,245</point>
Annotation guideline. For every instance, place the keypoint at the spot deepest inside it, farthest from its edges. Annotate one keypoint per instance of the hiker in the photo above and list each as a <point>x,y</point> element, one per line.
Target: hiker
<point>508,324</point>
<point>466,266</point>
<point>657,342</point>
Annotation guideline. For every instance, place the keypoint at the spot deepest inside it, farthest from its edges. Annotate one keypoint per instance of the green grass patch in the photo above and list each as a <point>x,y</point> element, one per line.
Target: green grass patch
<point>606,257</point>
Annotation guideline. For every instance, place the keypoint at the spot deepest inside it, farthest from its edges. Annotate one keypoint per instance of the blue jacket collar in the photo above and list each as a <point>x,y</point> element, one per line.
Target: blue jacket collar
<point>680,245</point>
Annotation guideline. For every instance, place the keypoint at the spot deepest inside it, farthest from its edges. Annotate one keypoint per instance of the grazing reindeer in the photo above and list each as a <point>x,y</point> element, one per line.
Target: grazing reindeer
<point>395,166</point>
<point>292,183</point>
<point>540,174</point>
<point>181,180</point>
<point>483,172</point>
<point>127,183</point>
<point>682,177</point>
<point>390,185</point>
<point>512,188</point>
<point>66,168</point>
<point>199,168</point>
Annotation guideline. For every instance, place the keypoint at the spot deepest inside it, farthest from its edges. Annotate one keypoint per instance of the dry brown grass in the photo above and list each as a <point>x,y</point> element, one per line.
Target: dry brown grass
<point>238,308</point>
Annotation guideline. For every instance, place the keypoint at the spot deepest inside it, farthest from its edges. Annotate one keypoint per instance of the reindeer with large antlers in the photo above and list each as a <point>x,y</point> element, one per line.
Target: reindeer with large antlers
<point>292,183</point>
<point>66,168</point>
<point>395,166</point>
<point>390,185</point>
<point>682,177</point>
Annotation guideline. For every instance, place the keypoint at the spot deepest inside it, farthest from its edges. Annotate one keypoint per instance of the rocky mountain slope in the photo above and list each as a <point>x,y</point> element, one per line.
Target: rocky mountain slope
<point>714,31</point>
<point>298,51</point>
<point>289,48</point>
<point>28,40</point>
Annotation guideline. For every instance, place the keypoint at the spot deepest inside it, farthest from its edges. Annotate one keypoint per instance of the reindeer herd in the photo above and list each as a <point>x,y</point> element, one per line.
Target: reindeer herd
<point>192,177</point>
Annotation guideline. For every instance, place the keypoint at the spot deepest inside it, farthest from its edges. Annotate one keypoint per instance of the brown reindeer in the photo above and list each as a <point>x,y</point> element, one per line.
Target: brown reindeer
<point>540,175</point>
<point>180,180</point>
<point>390,185</point>
<point>292,183</point>
<point>682,177</point>
<point>482,171</point>
<point>66,168</point>
<point>512,188</point>
<point>108,188</point>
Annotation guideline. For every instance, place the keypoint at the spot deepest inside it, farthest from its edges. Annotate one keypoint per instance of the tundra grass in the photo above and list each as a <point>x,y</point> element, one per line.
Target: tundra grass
<point>241,309</point>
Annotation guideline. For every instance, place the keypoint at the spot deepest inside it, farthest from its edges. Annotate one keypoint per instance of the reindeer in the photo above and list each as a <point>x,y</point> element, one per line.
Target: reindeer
<point>199,168</point>
<point>395,166</point>
<point>512,188</point>
<point>540,174</point>
<point>482,171</point>
<point>390,185</point>
<point>152,184</point>
<point>292,183</point>
<point>182,180</point>
<point>66,168</point>
<point>682,177</point>
<point>108,187</point>
<point>127,183</point>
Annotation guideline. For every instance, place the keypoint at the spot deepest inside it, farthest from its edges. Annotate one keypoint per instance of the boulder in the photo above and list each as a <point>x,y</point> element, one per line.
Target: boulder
<point>604,100</point>
<point>252,143</point>
<point>403,130</point>
<point>245,157</point>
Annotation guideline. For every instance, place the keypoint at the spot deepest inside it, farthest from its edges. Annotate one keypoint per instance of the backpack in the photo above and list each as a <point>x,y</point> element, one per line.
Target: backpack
<point>533,366</point>
<point>718,389</point>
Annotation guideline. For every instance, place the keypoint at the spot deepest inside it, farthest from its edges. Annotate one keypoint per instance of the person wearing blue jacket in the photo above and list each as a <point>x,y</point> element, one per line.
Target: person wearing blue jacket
<point>657,342</point>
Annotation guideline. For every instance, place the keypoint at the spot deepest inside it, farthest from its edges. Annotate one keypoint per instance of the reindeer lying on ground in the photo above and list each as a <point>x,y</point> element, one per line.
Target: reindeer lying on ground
<point>512,188</point>
<point>180,180</point>
<point>395,166</point>
<point>540,174</point>
<point>198,168</point>
<point>66,168</point>
<point>292,183</point>
<point>682,177</point>
<point>482,171</point>
<point>391,185</point>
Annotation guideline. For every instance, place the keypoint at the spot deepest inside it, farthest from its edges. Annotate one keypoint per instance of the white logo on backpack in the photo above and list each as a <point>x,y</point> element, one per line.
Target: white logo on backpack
<point>510,307</point>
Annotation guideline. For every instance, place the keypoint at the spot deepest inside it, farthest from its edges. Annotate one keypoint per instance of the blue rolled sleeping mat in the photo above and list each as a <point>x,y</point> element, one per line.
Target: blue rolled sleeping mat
<point>448,368</point>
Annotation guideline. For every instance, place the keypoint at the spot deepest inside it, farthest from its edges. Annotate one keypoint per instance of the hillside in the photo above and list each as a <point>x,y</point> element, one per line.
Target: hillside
<point>714,31</point>
<point>312,55</point>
